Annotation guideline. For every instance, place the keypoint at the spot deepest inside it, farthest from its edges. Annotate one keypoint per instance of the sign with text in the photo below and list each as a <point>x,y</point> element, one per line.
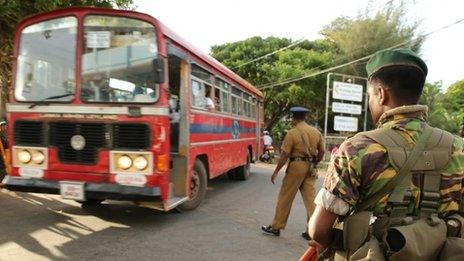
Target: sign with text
<point>347,91</point>
<point>346,108</point>
<point>342,123</point>
<point>98,39</point>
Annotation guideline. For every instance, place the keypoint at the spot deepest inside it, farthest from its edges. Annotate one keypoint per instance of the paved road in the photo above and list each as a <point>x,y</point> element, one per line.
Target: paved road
<point>225,227</point>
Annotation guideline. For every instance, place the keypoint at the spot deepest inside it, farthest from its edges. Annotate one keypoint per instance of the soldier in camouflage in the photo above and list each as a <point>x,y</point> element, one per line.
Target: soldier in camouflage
<point>362,167</point>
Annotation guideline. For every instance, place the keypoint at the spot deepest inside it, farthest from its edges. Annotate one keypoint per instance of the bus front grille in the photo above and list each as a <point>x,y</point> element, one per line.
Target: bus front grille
<point>131,136</point>
<point>29,133</point>
<point>61,134</point>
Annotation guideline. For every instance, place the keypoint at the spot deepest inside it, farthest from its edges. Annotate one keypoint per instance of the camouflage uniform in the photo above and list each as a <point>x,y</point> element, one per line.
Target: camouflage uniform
<point>361,167</point>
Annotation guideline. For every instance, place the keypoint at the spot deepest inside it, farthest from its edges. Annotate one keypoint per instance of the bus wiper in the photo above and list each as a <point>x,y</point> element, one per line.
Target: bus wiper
<point>50,98</point>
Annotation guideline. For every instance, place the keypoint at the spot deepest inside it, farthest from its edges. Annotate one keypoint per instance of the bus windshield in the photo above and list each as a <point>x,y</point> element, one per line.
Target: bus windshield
<point>46,60</point>
<point>117,60</point>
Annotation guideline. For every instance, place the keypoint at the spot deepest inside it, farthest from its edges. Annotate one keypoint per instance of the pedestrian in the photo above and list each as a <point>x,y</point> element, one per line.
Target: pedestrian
<point>267,140</point>
<point>393,189</point>
<point>302,146</point>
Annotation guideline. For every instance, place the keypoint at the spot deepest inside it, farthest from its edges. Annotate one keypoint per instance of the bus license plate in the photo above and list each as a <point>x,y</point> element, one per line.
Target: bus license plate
<point>31,173</point>
<point>72,190</point>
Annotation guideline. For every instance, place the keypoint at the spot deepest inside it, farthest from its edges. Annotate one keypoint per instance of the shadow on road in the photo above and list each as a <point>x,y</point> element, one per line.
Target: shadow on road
<point>40,227</point>
<point>27,218</point>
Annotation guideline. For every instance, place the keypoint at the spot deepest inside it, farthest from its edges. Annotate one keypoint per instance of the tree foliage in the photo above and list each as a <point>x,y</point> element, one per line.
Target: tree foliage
<point>292,62</point>
<point>439,116</point>
<point>13,11</point>
<point>367,33</point>
<point>345,39</point>
<point>454,101</point>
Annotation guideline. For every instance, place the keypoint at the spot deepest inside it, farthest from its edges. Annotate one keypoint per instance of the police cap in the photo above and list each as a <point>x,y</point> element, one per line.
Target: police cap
<point>299,111</point>
<point>386,58</point>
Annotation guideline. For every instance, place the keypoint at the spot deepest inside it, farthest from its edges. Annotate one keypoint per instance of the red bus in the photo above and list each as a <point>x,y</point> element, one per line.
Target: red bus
<point>111,104</point>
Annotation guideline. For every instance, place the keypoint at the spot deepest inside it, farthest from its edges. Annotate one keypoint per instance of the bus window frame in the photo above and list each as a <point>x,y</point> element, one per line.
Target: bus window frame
<point>202,84</point>
<point>81,28</point>
<point>247,102</point>
<point>18,38</point>
<point>240,99</point>
<point>228,91</point>
<point>213,83</point>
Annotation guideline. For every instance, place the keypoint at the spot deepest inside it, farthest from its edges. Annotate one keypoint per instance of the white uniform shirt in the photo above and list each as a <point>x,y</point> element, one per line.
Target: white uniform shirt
<point>209,104</point>
<point>267,140</point>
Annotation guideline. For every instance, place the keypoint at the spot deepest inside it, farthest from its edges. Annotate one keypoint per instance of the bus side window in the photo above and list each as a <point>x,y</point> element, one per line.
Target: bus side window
<point>247,104</point>
<point>222,95</point>
<point>209,103</point>
<point>237,101</point>
<point>198,94</point>
<point>217,100</point>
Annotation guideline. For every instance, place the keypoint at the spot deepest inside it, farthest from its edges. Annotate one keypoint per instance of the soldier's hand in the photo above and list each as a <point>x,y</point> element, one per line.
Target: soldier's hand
<point>274,176</point>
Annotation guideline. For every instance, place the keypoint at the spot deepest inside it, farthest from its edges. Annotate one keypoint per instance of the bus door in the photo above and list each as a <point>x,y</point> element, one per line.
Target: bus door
<point>178,69</point>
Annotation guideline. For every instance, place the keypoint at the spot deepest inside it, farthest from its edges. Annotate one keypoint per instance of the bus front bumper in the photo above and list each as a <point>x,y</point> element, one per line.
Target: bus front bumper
<point>92,190</point>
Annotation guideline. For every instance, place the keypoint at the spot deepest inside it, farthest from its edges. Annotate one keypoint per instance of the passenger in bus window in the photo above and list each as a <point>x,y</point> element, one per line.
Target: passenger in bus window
<point>209,104</point>
<point>217,102</point>
<point>174,109</point>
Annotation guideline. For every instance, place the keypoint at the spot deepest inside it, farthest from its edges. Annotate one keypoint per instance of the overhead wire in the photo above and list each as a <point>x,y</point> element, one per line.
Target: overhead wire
<point>270,54</point>
<point>313,74</point>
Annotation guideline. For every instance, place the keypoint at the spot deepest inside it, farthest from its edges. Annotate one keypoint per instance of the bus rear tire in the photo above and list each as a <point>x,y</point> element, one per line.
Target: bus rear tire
<point>243,172</point>
<point>232,174</point>
<point>197,187</point>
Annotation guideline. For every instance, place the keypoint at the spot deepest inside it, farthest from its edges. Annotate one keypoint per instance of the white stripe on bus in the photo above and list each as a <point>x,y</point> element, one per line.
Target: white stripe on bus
<point>223,115</point>
<point>204,143</point>
<point>87,109</point>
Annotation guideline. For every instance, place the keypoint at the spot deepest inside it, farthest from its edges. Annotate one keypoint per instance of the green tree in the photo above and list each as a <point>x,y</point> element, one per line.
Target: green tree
<point>454,102</point>
<point>367,33</point>
<point>439,116</point>
<point>13,11</point>
<point>293,62</point>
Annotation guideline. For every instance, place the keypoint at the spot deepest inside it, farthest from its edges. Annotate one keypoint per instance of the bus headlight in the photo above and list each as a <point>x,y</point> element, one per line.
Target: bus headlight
<point>30,157</point>
<point>131,162</point>
<point>124,162</point>
<point>38,157</point>
<point>24,156</point>
<point>140,163</point>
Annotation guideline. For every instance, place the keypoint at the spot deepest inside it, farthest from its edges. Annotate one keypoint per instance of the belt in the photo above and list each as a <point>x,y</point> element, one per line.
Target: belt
<point>300,159</point>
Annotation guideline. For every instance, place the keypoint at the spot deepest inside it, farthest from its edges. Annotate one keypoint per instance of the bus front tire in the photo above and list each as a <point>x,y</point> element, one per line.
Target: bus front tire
<point>243,172</point>
<point>198,185</point>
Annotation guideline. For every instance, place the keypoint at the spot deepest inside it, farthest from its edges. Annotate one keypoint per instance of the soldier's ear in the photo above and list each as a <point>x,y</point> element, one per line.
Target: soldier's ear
<point>384,96</point>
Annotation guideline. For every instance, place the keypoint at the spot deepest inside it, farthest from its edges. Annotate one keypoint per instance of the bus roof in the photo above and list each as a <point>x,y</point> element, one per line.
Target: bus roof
<point>208,59</point>
<point>163,29</point>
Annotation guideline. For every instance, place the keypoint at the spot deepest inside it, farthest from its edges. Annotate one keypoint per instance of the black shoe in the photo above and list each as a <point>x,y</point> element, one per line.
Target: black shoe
<point>306,236</point>
<point>270,231</point>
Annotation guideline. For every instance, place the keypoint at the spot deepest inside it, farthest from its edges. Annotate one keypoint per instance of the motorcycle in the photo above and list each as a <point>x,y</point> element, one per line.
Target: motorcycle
<point>269,154</point>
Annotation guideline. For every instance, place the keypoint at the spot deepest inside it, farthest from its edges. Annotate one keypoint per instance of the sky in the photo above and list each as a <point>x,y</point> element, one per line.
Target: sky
<point>205,23</point>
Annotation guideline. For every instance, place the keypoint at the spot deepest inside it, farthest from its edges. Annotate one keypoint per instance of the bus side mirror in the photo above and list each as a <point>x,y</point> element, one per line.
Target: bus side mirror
<point>158,69</point>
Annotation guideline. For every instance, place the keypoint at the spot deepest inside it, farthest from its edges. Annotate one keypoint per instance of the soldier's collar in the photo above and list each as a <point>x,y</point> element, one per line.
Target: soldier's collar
<point>406,111</point>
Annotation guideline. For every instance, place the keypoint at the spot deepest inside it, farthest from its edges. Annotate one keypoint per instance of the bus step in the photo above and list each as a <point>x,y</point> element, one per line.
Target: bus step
<point>174,202</point>
<point>158,205</point>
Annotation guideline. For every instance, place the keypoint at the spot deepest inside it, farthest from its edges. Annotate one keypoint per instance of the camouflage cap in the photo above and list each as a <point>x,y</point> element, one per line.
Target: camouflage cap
<point>385,58</point>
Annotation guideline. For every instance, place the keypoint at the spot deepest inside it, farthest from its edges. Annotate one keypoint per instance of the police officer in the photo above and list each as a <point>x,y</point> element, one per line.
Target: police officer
<point>361,167</point>
<point>303,145</point>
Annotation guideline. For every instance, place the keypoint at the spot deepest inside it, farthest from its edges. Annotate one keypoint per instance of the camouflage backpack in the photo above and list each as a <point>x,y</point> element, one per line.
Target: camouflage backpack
<point>409,232</point>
